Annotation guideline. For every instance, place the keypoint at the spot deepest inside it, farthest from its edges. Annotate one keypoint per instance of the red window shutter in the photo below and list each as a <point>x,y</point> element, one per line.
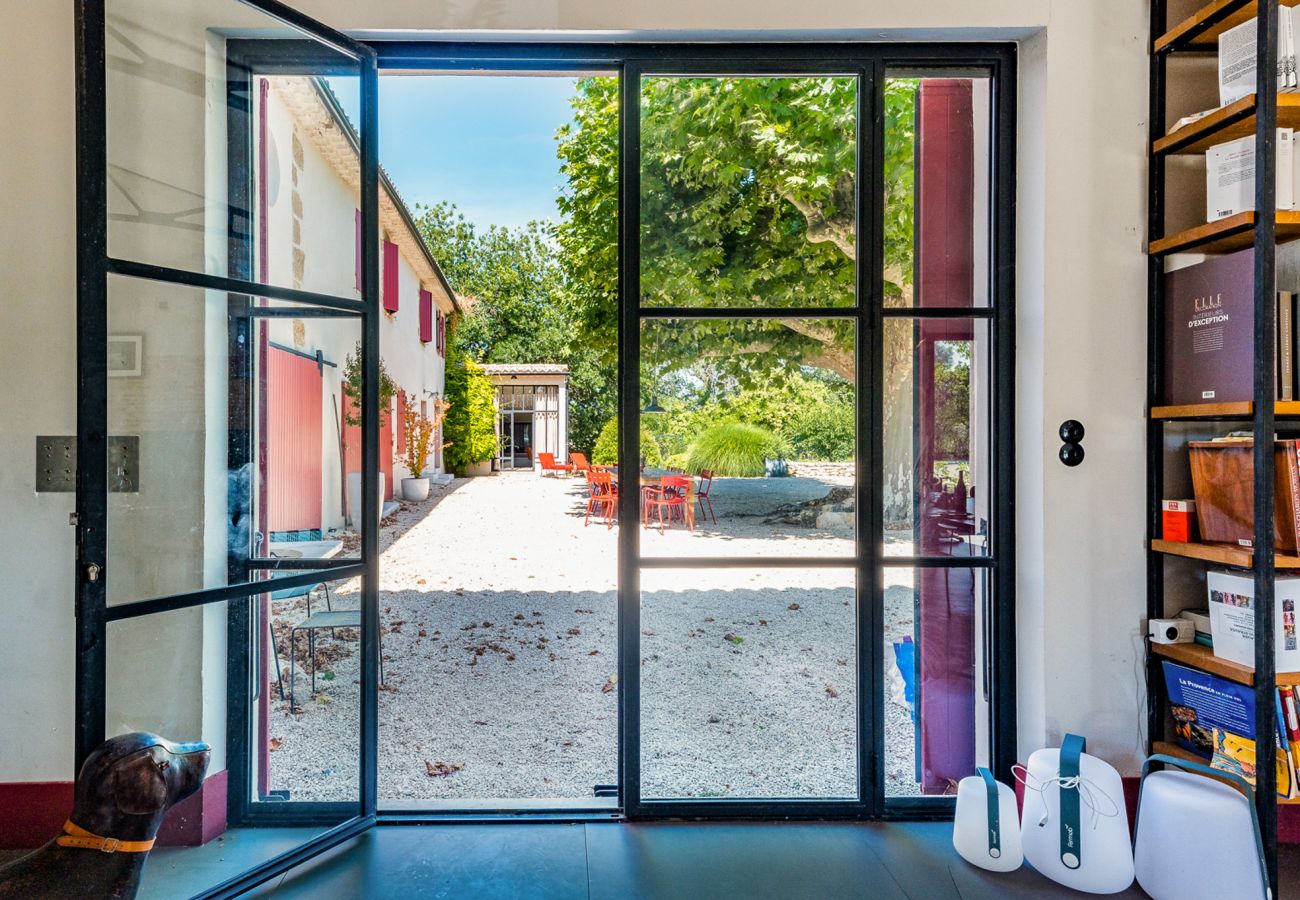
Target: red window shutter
<point>390,277</point>
<point>426,316</point>
<point>357,259</point>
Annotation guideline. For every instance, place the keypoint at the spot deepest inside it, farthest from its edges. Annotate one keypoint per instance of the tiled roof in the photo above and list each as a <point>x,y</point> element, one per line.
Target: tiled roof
<point>525,369</point>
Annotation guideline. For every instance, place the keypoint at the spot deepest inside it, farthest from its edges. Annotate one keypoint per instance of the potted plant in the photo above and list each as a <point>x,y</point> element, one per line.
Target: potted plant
<point>419,443</point>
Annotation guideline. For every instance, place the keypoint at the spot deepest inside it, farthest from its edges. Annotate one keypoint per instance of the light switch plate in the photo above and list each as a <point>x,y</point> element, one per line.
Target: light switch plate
<point>56,464</point>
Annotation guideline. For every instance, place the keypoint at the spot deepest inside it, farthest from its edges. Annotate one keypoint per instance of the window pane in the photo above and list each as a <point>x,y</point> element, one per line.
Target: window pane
<point>936,442</point>
<point>748,684</point>
<point>937,165</point>
<point>747,191</point>
<point>936,711</point>
<point>758,416</point>
<point>216,455</point>
<point>167,675</point>
<point>216,171</point>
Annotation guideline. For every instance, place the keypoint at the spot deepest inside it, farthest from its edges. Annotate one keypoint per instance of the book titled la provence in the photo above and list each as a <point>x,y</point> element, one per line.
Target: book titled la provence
<point>1210,330</point>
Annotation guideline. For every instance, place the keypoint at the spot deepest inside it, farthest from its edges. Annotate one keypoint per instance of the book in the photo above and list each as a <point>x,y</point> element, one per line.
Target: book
<point>1215,718</point>
<point>1230,176</point>
<point>1237,52</point>
<point>1238,47</point>
<point>1210,330</point>
<point>1285,368</point>
<point>1292,719</point>
<point>1232,619</point>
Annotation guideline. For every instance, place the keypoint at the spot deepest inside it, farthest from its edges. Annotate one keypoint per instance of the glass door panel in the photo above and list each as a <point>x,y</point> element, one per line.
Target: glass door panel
<point>751,665</point>
<point>221,601</point>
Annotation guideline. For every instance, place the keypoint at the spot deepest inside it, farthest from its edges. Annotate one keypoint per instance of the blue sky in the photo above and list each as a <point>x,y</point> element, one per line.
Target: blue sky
<point>485,143</point>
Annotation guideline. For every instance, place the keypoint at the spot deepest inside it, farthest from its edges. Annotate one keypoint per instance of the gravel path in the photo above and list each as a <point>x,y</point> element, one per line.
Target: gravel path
<point>500,649</point>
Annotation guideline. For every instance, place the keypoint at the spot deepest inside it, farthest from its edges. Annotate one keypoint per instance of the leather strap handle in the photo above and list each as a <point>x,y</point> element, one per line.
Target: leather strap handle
<point>1072,749</point>
<point>994,803</point>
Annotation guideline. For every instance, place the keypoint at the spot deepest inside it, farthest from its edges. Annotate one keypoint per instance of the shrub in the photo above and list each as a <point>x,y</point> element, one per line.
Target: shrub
<point>352,388</point>
<point>471,423</point>
<point>605,453</point>
<point>734,449</point>
<point>823,431</point>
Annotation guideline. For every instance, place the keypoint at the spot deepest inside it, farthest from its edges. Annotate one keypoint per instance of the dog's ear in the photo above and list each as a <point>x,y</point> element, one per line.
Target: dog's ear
<point>139,787</point>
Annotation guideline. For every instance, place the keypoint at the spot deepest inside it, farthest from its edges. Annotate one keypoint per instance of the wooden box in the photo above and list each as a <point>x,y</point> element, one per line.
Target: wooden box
<point>1223,481</point>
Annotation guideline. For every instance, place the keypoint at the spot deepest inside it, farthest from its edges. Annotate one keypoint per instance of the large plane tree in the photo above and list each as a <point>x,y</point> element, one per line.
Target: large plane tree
<point>747,199</point>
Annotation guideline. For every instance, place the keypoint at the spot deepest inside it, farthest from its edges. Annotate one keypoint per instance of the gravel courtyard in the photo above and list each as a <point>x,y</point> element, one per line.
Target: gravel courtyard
<point>498,610</point>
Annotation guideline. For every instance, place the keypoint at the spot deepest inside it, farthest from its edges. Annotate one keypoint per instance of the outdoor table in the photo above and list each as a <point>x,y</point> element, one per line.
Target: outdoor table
<point>655,483</point>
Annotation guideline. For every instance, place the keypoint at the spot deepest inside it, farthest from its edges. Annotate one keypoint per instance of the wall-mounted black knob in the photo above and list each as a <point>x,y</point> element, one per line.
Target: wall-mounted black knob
<point>1072,431</point>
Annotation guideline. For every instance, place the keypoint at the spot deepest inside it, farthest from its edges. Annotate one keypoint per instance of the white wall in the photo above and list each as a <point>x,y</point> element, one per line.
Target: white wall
<point>1081,277</point>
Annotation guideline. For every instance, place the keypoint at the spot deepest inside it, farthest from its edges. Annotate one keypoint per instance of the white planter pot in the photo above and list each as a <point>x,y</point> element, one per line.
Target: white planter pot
<point>415,489</point>
<point>479,468</point>
<point>354,498</point>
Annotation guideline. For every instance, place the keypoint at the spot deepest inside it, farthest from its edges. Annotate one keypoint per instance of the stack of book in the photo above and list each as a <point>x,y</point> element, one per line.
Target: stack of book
<point>1230,166</point>
<point>1210,333</point>
<point>1215,718</point>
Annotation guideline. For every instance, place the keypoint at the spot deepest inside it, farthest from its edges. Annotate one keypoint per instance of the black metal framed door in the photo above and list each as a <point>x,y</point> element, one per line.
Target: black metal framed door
<point>179,298</point>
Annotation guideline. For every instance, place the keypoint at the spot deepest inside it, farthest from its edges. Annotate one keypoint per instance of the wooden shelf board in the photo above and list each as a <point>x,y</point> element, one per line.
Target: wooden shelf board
<point>1223,554</point>
<point>1198,656</point>
<point>1233,233</point>
<point>1242,410</point>
<point>1201,30</point>
<point>1169,748</point>
<point>1236,120</point>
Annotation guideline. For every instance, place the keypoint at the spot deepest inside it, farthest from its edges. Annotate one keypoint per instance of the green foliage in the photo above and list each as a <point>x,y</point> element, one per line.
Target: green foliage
<point>952,400</point>
<point>512,283</point>
<point>605,452</point>
<point>811,410</point>
<point>746,199</point>
<point>352,387</point>
<point>735,449</point>
<point>470,425</point>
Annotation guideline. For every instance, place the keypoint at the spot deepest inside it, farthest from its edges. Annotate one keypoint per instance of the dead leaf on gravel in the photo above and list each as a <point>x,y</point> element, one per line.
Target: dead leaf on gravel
<point>423,633</point>
<point>841,662</point>
<point>734,638</point>
<point>441,769</point>
<point>648,632</point>
<point>710,619</point>
<point>575,631</point>
<point>793,606</point>
<point>420,581</point>
<point>609,684</point>
<point>275,744</point>
<point>594,653</point>
<point>831,692</point>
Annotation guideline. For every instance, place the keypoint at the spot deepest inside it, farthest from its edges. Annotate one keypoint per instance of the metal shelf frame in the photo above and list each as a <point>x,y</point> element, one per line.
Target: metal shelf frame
<point>1262,415</point>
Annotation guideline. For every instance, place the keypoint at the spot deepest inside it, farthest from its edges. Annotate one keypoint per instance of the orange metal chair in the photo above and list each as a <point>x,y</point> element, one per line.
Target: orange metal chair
<point>602,496</point>
<point>673,495</point>
<point>579,463</point>
<point>702,493</point>
<point>550,465</point>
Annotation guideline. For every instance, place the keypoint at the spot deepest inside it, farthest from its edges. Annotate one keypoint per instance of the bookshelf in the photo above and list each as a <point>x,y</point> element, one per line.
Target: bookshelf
<point>1181,566</point>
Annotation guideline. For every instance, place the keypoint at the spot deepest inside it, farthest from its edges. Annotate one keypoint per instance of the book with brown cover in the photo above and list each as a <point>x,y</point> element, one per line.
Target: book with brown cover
<point>1210,330</point>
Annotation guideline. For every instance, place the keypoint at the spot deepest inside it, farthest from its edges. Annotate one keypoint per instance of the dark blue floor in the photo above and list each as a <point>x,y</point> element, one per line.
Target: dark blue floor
<point>697,861</point>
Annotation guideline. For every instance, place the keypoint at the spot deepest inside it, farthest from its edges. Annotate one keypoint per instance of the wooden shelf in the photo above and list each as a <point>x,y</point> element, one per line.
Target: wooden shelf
<point>1169,748</point>
<point>1223,554</point>
<point>1236,120</point>
<point>1198,656</point>
<point>1242,410</point>
<point>1201,30</point>
<point>1233,233</point>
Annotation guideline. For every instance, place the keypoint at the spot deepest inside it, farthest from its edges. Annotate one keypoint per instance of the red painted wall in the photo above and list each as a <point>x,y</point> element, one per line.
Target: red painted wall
<point>293,396</point>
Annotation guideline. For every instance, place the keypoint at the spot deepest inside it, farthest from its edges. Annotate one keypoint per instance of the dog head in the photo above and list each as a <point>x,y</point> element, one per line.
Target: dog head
<point>130,781</point>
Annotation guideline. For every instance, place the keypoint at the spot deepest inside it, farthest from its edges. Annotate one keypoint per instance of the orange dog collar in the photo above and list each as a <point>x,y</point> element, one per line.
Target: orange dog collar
<point>76,836</point>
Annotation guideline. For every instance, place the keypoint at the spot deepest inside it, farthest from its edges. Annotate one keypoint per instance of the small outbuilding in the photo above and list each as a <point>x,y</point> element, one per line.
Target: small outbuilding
<point>532,402</point>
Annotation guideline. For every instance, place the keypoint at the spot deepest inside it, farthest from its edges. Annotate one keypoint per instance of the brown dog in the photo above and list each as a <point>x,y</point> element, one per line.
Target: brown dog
<point>123,791</point>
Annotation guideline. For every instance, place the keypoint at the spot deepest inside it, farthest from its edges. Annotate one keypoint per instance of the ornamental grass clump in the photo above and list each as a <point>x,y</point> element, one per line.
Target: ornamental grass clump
<point>735,450</point>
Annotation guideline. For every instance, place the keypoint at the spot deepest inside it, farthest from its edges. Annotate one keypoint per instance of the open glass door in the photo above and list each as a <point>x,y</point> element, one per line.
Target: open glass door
<point>216,583</point>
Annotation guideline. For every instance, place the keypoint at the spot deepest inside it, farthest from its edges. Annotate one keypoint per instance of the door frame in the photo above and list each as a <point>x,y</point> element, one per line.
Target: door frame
<point>871,63</point>
<point>91,573</point>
